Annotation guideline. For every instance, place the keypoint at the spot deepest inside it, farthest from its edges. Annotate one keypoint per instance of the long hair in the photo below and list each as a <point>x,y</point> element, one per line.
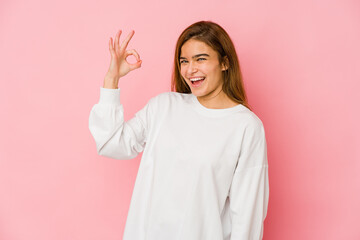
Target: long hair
<point>217,38</point>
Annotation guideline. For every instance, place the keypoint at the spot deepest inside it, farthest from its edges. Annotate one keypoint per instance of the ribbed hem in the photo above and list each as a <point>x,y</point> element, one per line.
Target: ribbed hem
<point>109,96</point>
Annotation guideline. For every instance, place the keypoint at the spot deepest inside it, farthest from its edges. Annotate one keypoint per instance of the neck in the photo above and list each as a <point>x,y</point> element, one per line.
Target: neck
<point>216,100</point>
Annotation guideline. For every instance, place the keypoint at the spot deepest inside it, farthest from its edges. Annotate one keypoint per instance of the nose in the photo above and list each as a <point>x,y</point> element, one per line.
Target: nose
<point>192,68</point>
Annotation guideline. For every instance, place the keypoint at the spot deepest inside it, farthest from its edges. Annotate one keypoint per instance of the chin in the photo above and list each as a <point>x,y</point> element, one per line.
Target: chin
<point>198,93</point>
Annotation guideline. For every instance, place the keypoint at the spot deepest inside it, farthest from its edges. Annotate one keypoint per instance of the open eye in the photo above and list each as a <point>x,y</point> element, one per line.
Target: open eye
<point>182,61</point>
<point>201,59</point>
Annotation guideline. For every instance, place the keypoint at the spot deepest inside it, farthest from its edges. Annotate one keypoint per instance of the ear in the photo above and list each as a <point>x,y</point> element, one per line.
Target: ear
<point>225,64</point>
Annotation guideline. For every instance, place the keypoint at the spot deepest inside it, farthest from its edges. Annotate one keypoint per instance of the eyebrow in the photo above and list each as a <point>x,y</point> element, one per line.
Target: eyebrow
<point>197,55</point>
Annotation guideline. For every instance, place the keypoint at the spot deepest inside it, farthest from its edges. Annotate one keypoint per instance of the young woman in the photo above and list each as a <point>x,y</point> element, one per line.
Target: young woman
<point>204,170</point>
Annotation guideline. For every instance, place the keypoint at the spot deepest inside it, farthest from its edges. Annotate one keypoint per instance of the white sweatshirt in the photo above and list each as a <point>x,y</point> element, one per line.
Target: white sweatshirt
<point>203,174</point>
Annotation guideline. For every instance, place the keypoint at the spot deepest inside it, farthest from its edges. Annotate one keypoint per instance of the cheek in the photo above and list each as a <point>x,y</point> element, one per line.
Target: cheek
<point>210,70</point>
<point>216,74</point>
<point>209,66</point>
<point>216,69</point>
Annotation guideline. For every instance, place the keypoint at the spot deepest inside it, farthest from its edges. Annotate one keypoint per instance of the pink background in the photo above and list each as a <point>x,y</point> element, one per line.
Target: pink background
<point>301,69</point>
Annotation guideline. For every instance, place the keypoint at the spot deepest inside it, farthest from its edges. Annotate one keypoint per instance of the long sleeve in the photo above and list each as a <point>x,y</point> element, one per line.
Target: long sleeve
<point>249,191</point>
<point>114,137</point>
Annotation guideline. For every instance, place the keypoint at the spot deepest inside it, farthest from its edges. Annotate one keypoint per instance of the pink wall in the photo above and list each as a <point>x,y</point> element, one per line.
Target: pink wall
<point>301,69</point>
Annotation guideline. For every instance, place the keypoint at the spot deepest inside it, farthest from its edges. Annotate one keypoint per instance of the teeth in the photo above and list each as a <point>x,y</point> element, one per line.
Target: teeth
<point>196,79</point>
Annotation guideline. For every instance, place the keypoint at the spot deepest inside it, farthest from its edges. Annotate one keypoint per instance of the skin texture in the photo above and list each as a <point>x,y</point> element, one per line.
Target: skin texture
<point>210,93</point>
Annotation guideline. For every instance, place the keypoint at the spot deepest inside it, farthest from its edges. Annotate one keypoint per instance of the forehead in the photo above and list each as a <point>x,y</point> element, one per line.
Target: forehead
<point>193,46</point>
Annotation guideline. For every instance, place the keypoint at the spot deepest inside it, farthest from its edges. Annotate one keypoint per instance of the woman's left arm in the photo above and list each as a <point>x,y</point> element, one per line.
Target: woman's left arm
<point>249,191</point>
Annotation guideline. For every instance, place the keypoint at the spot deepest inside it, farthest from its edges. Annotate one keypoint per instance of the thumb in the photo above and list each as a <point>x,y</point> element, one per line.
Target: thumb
<point>136,65</point>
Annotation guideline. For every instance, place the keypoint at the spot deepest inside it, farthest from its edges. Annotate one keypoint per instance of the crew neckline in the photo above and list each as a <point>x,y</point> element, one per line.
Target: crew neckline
<point>215,111</point>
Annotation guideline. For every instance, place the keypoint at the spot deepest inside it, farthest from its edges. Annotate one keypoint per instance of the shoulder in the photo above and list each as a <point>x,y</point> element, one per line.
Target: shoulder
<point>250,122</point>
<point>254,120</point>
<point>255,128</point>
<point>248,117</point>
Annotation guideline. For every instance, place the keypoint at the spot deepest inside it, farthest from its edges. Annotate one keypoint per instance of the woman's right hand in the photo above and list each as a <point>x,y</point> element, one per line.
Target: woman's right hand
<point>119,67</point>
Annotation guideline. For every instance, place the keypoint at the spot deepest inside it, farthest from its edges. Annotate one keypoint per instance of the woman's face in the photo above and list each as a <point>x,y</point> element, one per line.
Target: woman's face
<point>199,60</point>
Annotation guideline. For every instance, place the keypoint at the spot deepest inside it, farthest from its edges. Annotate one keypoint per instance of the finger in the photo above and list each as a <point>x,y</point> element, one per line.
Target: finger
<point>134,53</point>
<point>135,65</point>
<point>111,48</point>
<point>127,39</point>
<point>117,38</point>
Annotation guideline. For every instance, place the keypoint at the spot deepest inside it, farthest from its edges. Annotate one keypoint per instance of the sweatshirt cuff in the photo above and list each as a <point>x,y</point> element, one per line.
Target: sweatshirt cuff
<point>109,96</point>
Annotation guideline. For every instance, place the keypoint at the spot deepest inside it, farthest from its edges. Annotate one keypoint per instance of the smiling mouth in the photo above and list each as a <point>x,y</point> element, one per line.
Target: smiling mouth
<point>198,82</point>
